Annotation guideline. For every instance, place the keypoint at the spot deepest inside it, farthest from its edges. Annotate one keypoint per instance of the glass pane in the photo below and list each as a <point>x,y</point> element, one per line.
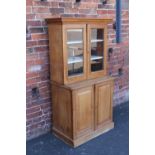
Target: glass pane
<point>97,47</point>
<point>75,51</point>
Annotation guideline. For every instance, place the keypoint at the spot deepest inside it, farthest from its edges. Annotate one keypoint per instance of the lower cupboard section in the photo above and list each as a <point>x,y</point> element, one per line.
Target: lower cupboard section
<point>84,138</point>
<point>82,111</point>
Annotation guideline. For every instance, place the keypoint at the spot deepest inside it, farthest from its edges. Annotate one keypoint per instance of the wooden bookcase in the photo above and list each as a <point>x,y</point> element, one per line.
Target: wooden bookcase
<point>81,90</point>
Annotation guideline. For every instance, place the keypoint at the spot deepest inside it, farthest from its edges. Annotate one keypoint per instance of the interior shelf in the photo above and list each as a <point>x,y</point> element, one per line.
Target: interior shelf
<point>96,40</point>
<point>80,41</point>
<point>74,30</point>
<point>94,57</point>
<point>75,59</point>
<point>74,42</point>
<point>75,48</point>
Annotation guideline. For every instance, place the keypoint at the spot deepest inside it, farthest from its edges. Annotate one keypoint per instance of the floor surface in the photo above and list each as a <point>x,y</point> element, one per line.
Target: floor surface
<point>114,142</point>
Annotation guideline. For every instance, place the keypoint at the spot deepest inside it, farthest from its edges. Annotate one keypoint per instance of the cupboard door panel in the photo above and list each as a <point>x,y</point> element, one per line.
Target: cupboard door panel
<point>96,49</point>
<point>74,43</point>
<point>103,101</point>
<point>84,111</point>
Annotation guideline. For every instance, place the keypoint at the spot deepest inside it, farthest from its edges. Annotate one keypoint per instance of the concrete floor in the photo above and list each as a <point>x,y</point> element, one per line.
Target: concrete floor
<point>114,142</point>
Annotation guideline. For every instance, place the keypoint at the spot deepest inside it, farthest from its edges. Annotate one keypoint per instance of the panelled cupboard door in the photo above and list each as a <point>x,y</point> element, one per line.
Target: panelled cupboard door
<point>83,111</point>
<point>96,50</point>
<point>103,104</point>
<point>74,46</point>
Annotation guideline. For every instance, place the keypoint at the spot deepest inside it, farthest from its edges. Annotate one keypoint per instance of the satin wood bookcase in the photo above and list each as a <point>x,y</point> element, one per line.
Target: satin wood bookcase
<point>81,90</point>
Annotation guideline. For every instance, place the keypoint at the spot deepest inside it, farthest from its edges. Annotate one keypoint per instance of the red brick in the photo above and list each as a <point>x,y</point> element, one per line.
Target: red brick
<point>54,4</point>
<point>65,4</point>
<point>31,75</point>
<point>43,84</point>
<point>87,11</point>
<point>31,81</point>
<point>38,62</point>
<point>31,56</point>
<point>39,36</point>
<point>111,12</point>
<point>71,10</point>
<point>125,14</point>
<point>102,12</point>
<point>41,10</point>
<point>56,10</point>
<point>28,9</point>
<point>31,43</point>
<point>32,110</point>
<point>44,106</point>
<point>36,30</point>
<point>125,21</point>
<point>28,2</point>
<point>43,42</point>
<point>33,115</point>
<point>40,3</point>
<point>30,16</point>
<point>34,23</point>
<point>88,5</point>
<point>41,16</point>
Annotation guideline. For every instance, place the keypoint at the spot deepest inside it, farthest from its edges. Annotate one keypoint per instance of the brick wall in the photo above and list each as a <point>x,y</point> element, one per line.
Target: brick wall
<point>38,86</point>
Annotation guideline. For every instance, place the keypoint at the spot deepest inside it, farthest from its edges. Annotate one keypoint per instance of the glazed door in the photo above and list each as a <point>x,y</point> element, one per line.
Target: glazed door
<point>103,103</point>
<point>83,111</point>
<point>96,50</point>
<point>74,42</point>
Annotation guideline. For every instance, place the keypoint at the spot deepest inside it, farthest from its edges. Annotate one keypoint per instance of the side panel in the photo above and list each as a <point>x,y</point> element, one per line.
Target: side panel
<point>62,110</point>
<point>56,52</point>
<point>83,111</point>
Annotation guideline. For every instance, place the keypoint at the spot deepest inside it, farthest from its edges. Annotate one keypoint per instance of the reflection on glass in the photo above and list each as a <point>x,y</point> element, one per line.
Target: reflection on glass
<point>75,51</point>
<point>97,44</point>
